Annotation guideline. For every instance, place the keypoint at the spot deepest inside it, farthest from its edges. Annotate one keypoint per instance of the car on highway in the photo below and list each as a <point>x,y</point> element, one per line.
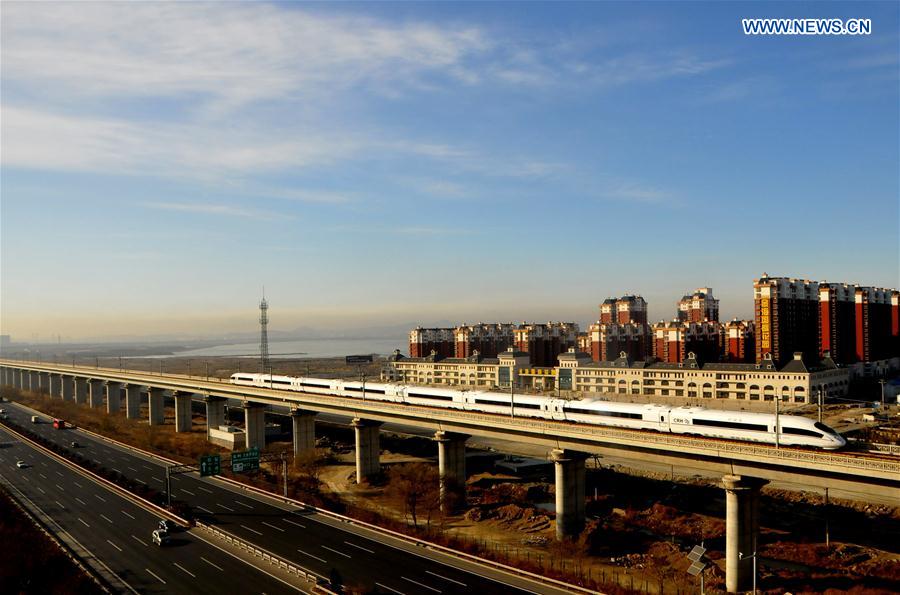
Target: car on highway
<point>2,410</point>
<point>21,464</point>
<point>74,444</point>
<point>161,537</point>
<point>166,525</point>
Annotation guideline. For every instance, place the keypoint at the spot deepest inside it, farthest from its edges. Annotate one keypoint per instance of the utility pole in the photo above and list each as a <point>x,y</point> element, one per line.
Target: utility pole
<point>364,386</point>
<point>827,532</point>
<point>881,382</point>
<point>207,371</point>
<point>512,395</point>
<point>120,363</point>
<point>284,473</point>
<point>777,424</point>
<point>820,404</point>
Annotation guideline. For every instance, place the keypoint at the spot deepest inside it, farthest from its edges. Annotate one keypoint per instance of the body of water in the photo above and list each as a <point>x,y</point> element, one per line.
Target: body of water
<point>305,348</point>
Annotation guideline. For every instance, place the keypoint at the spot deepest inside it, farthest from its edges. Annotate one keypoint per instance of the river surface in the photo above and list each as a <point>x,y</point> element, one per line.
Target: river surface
<point>305,348</point>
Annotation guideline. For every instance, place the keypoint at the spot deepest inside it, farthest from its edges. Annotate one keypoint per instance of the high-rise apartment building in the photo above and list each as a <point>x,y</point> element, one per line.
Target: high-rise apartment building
<point>487,339</point>
<point>738,339</point>
<point>610,340</point>
<point>674,340</point>
<point>837,322</point>
<point>545,342</point>
<point>874,340</point>
<point>422,341</point>
<point>699,306</point>
<point>787,318</point>
<point>628,308</point>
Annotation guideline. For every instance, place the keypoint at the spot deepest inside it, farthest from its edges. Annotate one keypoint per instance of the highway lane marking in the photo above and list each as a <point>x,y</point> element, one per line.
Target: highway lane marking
<point>273,526</point>
<point>26,479</point>
<point>225,507</point>
<point>251,530</point>
<point>98,461</point>
<point>83,523</point>
<point>185,569</point>
<point>117,471</point>
<point>154,576</point>
<point>188,492</point>
<point>139,540</point>
<point>338,552</point>
<point>41,491</point>
<point>43,463</point>
<point>157,479</point>
<point>420,584</point>
<point>128,515</point>
<point>293,523</point>
<point>58,473</point>
<point>42,475</point>
<point>362,548</point>
<point>60,487</point>
<point>100,498</point>
<point>206,510</point>
<point>107,519</point>
<point>147,467</point>
<point>133,469</point>
<point>60,504</point>
<point>114,545</point>
<point>242,504</point>
<point>313,556</point>
<point>446,578</point>
<point>78,484</point>
<point>390,589</point>
<point>205,490</point>
<point>211,564</point>
<point>83,503</point>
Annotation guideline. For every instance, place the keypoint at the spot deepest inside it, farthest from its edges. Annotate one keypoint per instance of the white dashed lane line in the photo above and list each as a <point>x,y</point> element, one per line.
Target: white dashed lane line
<point>313,556</point>
<point>446,578</point>
<point>361,548</point>
<point>420,584</point>
<point>338,552</point>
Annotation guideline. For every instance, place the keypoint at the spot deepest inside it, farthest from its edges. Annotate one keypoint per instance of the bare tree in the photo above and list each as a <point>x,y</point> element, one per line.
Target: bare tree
<point>416,486</point>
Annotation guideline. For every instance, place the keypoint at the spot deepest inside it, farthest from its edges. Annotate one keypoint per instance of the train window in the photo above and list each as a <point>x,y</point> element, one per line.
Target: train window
<point>488,402</point>
<point>730,424</point>
<point>604,413</point>
<point>801,432</point>
<point>820,426</point>
<point>526,406</point>
<point>432,397</point>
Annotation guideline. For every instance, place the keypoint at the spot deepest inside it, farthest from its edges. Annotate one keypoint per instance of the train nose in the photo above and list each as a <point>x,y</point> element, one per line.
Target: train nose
<point>839,440</point>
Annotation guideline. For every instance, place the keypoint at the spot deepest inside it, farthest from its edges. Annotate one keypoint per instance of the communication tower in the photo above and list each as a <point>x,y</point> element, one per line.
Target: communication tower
<point>265,367</point>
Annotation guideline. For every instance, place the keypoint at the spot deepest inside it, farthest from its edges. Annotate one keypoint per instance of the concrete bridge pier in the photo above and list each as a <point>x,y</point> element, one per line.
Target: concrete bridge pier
<point>741,529</point>
<point>53,385</point>
<point>68,387</point>
<point>45,383</point>
<point>452,464</point>
<point>34,380</point>
<point>304,431</point>
<point>215,413</point>
<point>156,400</point>
<point>3,376</point>
<point>96,390</point>
<point>255,425</point>
<point>570,487</point>
<point>17,379</point>
<point>113,397</point>
<point>368,448</point>
<point>183,411</point>
<point>132,401</point>
<point>80,390</point>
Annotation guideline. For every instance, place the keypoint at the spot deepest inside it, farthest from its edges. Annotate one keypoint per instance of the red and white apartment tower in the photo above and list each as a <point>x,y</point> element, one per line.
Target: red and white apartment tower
<point>699,306</point>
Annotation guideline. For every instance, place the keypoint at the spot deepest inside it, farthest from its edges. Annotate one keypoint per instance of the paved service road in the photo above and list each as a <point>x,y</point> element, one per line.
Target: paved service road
<point>117,531</point>
<point>348,555</point>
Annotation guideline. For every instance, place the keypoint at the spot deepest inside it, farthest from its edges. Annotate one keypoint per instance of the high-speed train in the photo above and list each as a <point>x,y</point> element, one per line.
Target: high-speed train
<point>698,421</point>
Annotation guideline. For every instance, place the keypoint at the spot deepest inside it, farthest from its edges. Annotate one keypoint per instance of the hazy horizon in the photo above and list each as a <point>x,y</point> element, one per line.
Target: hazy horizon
<point>380,165</point>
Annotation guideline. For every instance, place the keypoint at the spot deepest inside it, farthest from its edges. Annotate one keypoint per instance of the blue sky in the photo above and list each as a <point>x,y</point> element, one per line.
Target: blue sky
<point>379,164</point>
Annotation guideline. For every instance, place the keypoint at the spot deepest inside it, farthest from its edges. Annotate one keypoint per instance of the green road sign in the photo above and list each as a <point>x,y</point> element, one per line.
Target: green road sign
<point>210,465</point>
<point>245,460</point>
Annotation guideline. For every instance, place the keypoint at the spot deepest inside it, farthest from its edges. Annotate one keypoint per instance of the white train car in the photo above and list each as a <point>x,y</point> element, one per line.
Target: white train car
<point>699,421</point>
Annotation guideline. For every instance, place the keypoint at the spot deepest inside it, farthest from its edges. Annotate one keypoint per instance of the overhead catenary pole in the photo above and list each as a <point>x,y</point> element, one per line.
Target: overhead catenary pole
<point>777,423</point>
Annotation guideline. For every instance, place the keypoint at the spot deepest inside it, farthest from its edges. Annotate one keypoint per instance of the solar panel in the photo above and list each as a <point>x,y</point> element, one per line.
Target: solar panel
<point>696,568</point>
<point>696,553</point>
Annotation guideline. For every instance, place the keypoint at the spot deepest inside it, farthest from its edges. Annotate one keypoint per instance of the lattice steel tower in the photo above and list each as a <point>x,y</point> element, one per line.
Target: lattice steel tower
<point>265,367</point>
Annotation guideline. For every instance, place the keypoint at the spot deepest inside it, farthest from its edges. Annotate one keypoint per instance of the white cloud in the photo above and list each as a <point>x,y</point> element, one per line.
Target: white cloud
<point>221,54</point>
<point>213,209</point>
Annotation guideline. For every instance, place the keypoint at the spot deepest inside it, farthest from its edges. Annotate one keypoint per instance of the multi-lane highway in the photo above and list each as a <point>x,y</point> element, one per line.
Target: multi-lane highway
<point>116,531</point>
<point>347,555</point>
